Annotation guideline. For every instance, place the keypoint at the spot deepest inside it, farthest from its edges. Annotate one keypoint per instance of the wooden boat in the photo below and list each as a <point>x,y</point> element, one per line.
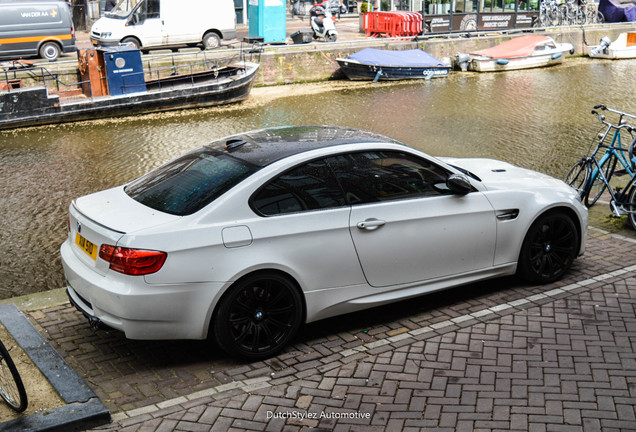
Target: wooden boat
<point>114,84</point>
<point>623,47</point>
<point>375,64</point>
<point>524,52</point>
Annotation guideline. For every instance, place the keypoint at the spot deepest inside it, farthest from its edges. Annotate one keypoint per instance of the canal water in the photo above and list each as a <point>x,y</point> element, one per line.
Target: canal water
<point>538,119</point>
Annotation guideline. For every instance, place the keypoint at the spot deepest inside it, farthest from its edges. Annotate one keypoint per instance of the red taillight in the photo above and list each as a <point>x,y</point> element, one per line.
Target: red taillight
<point>134,262</point>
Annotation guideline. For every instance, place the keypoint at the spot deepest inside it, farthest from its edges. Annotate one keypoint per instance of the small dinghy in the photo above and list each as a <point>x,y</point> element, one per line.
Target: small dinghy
<point>524,52</point>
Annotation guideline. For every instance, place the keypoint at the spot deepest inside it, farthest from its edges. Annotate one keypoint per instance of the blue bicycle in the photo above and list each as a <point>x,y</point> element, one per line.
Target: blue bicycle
<point>591,175</point>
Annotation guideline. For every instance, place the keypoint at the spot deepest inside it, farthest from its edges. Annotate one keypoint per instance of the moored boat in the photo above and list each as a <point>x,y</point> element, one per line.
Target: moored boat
<point>523,52</point>
<point>114,84</point>
<point>623,47</point>
<point>376,64</point>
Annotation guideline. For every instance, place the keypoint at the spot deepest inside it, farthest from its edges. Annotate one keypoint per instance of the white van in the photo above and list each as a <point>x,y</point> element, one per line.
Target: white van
<point>150,24</point>
<point>35,27</point>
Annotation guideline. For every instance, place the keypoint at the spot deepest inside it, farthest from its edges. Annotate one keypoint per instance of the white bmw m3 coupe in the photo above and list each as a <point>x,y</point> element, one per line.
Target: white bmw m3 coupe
<point>247,238</point>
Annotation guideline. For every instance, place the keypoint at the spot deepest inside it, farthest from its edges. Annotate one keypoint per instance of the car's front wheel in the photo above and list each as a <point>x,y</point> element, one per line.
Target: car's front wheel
<point>132,42</point>
<point>549,248</point>
<point>258,316</point>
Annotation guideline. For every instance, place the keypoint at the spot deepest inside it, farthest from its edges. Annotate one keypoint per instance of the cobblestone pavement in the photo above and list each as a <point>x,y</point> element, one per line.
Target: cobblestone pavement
<point>497,355</point>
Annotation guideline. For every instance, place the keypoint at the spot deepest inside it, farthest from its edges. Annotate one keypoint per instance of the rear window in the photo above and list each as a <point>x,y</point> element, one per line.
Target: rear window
<point>190,182</point>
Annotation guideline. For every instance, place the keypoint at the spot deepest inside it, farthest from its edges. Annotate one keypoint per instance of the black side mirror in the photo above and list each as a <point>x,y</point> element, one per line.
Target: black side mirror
<point>458,184</point>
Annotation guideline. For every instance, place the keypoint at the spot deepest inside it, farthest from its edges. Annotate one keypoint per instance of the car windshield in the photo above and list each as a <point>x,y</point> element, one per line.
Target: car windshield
<point>123,8</point>
<point>190,182</point>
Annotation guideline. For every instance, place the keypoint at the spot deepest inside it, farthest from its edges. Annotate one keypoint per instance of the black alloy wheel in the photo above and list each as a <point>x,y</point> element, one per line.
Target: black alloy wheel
<point>549,248</point>
<point>258,316</point>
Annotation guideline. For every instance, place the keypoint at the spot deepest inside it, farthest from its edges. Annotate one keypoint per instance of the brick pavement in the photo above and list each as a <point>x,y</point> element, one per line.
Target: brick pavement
<point>490,356</point>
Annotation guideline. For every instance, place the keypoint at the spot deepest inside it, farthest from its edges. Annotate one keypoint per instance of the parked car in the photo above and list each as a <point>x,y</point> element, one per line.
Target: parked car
<point>36,28</point>
<point>246,238</point>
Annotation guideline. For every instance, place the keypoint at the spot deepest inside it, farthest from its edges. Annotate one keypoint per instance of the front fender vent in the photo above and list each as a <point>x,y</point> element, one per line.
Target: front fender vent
<point>504,215</point>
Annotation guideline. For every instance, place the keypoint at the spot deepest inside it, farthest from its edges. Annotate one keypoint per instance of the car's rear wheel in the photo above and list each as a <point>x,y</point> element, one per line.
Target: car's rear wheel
<point>211,40</point>
<point>549,248</point>
<point>258,316</point>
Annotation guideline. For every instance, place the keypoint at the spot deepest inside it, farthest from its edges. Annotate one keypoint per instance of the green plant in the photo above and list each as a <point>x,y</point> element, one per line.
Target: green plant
<point>384,6</point>
<point>364,7</point>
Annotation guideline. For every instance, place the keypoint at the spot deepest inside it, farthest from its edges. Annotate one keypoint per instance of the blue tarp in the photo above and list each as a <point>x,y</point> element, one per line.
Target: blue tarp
<point>615,11</point>
<point>408,58</point>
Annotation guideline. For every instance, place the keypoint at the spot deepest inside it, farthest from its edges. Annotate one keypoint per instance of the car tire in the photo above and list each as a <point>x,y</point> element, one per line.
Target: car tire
<point>258,316</point>
<point>211,40</point>
<point>549,248</point>
<point>131,41</point>
<point>50,51</point>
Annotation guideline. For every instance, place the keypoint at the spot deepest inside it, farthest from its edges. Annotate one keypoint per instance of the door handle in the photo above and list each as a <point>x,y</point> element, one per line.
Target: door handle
<point>370,224</point>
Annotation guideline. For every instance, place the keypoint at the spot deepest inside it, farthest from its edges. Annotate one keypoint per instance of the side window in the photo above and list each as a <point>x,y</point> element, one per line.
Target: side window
<point>309,187</point>
<point>386,175</point>
<point>153,9</point>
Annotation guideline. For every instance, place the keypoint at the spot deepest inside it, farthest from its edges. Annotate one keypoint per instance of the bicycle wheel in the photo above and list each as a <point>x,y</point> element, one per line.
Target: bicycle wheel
<point>631,207</point>
<point>597,183</point>
<point>579,16</point>
<point>555,17</point>
<point>11,387</point>
<point>577,177</point>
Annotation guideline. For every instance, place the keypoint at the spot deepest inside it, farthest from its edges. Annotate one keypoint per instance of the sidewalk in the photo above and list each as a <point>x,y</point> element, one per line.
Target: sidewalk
<point>348,28</point>
<point>497,355</point>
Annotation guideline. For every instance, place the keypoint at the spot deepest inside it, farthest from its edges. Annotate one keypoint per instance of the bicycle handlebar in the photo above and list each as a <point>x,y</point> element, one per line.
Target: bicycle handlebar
<point>622,123</point>
<point>621,113</point>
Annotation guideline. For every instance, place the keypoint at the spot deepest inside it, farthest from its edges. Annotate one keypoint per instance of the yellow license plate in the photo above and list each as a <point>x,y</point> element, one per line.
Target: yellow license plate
<point>86,246</point>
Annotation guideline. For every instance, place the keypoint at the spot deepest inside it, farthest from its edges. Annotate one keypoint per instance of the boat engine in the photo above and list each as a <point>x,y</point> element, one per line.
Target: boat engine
<point>462,61</point>
<point>602,46</point>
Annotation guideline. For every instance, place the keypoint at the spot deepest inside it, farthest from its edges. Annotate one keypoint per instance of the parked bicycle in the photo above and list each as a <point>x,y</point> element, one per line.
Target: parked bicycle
<point>591,12</point>
<point>572,13</point>
<point>11,387</point>
<point>591,175</point>
<point>549,13</point>
<point>569,12</point>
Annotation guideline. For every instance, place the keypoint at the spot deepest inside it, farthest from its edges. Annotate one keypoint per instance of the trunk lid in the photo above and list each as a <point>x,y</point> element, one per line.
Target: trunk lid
<point>103,218</point>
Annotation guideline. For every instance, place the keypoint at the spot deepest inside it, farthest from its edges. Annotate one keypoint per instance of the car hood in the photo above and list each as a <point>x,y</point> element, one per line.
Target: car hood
<point>499,175</point>
<point>114,209</point>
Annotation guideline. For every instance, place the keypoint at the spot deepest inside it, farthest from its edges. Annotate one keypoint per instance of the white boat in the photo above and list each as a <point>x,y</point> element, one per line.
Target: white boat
<point>524,52</point>
<point>623,47</point>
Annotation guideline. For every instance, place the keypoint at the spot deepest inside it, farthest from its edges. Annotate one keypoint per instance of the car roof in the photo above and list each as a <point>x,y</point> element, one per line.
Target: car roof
<point>265,146</point>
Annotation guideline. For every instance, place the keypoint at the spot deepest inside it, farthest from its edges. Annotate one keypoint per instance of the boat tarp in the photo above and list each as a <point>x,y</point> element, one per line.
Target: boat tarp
<point>522,46</point>
<point>407,58</point>
<point>617,10</point>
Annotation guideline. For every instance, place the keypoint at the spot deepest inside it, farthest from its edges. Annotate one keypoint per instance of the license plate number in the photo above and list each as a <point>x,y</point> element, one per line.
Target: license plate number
<point>86,246</point>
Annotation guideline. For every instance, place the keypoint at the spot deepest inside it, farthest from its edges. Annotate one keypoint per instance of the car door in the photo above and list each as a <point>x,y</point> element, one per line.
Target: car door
<point>304,226</point>
<point>405,223</point>
<point>149,26</point>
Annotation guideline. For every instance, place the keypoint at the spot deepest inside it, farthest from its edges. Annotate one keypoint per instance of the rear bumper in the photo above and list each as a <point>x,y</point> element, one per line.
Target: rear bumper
<point>140,310</point>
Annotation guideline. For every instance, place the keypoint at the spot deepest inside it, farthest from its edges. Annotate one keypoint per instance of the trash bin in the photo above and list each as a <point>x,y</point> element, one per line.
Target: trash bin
<point>302,36</point>
<point>124,70</point>
<point>268,19</point>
